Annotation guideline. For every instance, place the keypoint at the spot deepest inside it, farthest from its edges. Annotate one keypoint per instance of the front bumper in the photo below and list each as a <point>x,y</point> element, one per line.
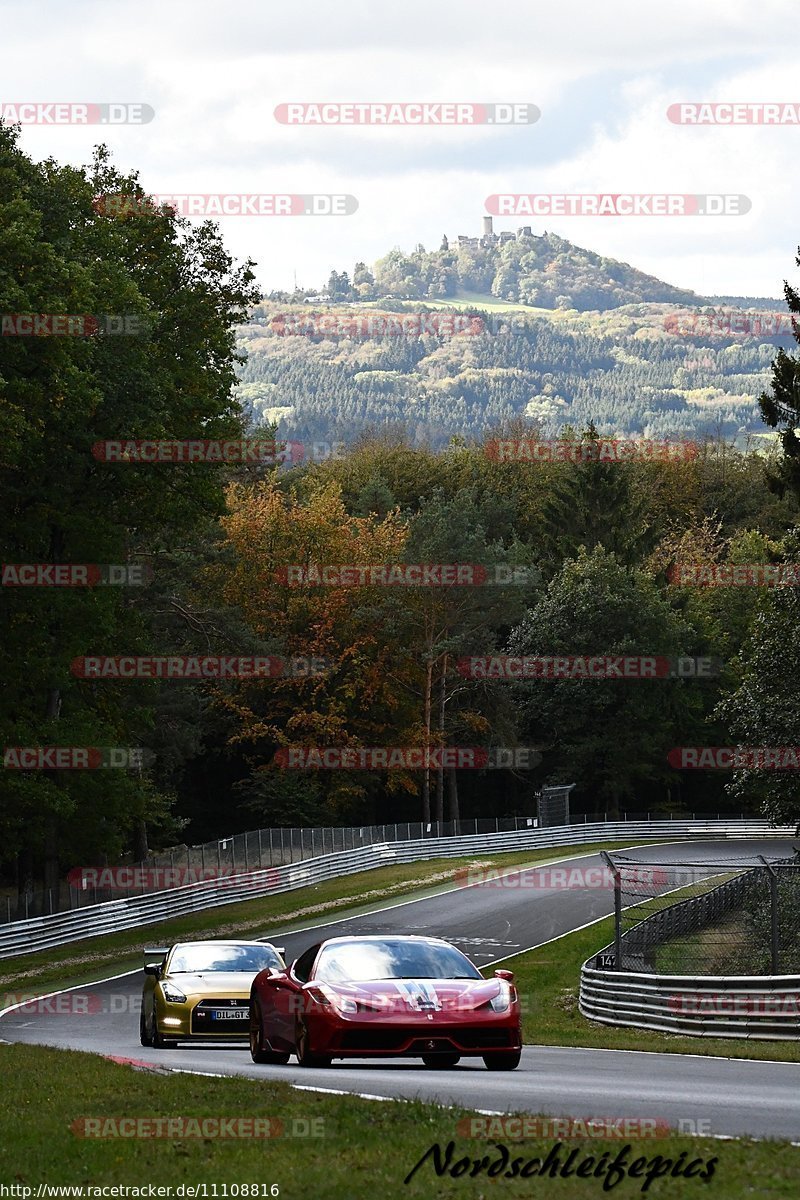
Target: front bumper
<point>197,1019</point>
<point>474,1036</point>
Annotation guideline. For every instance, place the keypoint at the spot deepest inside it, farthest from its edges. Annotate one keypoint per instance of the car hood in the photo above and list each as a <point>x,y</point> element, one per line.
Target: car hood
<point>419,995</point>
<point>213,983</point>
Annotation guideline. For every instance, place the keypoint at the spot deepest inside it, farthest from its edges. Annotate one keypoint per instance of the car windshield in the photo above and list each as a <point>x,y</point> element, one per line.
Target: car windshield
<point>392,959</point>
<point>189,959</point>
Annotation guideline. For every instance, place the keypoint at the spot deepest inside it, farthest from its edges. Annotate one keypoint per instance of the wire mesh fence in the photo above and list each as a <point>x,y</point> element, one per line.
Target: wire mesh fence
<point>735,916</point>
<point>239,853</point>
<point>257,850</point>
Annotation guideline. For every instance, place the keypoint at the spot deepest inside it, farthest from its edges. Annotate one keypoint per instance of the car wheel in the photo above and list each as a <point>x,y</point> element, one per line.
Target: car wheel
<point>502,1062</point>
<point>257,1051</point>
<point>442,1061</point>
<point>144,1036</point>
<point>305,1058</point>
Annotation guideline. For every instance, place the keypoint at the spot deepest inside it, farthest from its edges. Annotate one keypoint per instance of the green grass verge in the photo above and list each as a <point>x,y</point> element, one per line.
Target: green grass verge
<point>548,980</point>
<point>363,1148</point>
<point>94,958</point>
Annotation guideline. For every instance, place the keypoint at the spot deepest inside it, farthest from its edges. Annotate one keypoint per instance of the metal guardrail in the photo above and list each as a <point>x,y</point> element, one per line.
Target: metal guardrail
<point>43,933</point>
<point>735,1006</point>
<point>741,1006</point>
<point>255,850</point>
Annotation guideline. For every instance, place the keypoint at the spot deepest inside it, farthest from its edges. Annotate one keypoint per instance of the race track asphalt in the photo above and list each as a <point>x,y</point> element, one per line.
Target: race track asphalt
<point>729,1097</point>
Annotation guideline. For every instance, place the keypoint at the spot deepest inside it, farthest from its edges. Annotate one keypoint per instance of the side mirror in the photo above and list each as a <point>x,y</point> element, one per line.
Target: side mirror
<point>507,975</point>
<point>153,969</point>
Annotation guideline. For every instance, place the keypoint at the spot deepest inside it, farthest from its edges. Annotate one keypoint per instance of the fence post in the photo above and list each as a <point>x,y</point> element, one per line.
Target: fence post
<point>617,908</point>
<point>773,897</point>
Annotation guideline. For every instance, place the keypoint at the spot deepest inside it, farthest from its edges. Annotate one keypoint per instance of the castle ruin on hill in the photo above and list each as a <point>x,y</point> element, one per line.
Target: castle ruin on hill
<point>489,237</point>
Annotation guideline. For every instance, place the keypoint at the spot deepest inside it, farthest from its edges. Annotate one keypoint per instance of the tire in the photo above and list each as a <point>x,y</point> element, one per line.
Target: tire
<point>257,1051</point>
<point>502,1062</point>
<point>144,1036</point>
<point>304,1056</point>
<point>443,1061</point>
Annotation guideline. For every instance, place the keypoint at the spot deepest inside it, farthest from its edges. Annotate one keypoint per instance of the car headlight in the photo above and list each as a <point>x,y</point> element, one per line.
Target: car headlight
<point>502,1001</point>
<point>172,994</point>
<point>328,997</point>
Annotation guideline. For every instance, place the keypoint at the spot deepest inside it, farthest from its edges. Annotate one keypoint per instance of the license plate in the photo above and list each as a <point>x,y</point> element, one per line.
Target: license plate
<point>230,1014</point>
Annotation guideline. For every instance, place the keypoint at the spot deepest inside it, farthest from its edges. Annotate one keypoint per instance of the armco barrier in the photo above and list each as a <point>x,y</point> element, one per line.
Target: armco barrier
<point>42,933</point>
<point>741,1006</point>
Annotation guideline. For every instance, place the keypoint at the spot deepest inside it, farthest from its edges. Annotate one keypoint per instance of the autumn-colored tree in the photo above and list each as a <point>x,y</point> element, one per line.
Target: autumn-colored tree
<point>358,630</point>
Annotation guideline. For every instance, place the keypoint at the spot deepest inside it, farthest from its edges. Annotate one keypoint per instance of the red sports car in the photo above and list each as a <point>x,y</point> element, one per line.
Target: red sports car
<point>384,996</point>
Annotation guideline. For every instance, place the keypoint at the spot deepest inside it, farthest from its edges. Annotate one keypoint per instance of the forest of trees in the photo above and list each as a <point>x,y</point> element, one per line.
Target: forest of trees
<point>544,271</point>
<point>640,369</point>
<point>601,539</point>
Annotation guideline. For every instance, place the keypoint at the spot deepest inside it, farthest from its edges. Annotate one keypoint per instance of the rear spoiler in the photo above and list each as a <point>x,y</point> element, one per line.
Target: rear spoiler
<point>280,950</point>
<point>155,953</point>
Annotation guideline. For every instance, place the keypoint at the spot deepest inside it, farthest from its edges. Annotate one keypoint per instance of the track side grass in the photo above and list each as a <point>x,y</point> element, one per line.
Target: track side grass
<point>361,1148</point>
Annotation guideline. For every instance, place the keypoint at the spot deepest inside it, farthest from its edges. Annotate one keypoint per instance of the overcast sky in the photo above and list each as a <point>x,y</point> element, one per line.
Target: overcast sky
<point>602,75</point>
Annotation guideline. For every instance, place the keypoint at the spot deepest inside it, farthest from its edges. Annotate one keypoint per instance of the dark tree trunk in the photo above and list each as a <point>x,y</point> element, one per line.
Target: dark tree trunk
<point>452,795</point>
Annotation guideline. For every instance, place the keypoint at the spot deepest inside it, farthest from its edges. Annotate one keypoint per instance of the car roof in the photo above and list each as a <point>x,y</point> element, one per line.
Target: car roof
<point>390,937</point>
<point>221,942</point>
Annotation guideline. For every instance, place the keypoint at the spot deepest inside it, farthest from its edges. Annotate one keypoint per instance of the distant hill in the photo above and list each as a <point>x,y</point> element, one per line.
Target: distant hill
<point>560,335</point>
<point>539,270</point>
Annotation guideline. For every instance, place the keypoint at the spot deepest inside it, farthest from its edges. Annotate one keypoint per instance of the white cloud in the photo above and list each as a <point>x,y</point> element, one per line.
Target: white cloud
<point>215,74</point>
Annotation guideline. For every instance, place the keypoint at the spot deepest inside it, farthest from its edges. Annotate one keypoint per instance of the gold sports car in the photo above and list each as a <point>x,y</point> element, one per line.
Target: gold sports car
<point>200,991</point>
